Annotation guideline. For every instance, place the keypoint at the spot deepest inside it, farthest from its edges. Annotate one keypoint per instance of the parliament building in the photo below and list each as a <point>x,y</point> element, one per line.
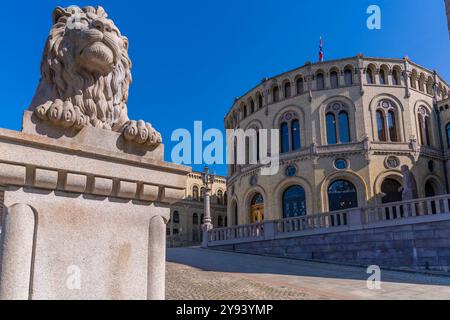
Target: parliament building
<point>349,129</point>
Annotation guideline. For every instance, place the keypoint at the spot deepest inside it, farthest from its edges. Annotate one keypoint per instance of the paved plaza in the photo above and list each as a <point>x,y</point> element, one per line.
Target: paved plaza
<point>198,274</point>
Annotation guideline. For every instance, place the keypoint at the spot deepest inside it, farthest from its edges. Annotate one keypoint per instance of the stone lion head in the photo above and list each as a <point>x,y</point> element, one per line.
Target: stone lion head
<point>86,74</point>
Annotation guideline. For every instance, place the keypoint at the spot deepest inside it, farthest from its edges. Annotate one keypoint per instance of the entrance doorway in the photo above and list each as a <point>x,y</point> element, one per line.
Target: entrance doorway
<point>256,213</point>
<point>392,190</point>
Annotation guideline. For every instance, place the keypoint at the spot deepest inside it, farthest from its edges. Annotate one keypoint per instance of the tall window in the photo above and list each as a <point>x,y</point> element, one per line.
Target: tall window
<point>331,129</point>
<point>244,110</point>
<point>275,94</point>
<point>195,193</point>
<point>383,76</point>
<point>342,195</point>
<point>195,219</point>
<point>300,85</point>
<point>284,137</point>
<point>447,128</point>
<point>320,81</point>
<point>260,101</point>
<point>220,197</point>
<point>252,106</point>
<point>287,90</point>
<point>220,221</point>
<point>424,126</point>
<point>337,124</point>
<point>176,217</point>
<point>334,79</point>
<point>386,115</point>
<point>295,132</point>
<point>290,135</point>
<point>396,77</point>
<point>344,130</point>
<point>348,77</point>
<point>369,76</point>
<point>294,202</point>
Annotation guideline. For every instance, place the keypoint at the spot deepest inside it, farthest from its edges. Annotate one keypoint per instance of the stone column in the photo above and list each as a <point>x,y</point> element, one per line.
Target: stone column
<point>19,223</point>
<point>207,220</point>
<point>156,282</point>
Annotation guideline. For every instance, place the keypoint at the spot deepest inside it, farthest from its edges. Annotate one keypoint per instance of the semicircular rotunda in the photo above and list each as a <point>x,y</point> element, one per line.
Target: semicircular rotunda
<point>349,129</point>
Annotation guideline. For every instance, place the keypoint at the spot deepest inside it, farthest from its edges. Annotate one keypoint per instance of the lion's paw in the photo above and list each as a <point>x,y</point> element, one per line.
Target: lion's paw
<point>143,133</point>
<point>62,113</point>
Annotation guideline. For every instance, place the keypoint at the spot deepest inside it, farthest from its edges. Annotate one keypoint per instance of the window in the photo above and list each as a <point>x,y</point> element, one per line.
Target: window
<point>341,164</point>
<point>220,221</point>
<point>244,110</point>
<point>391,189</point>
<point>252,106</point>
<point>337,123</point>
<point>369,76</point>
<point>344,130</point>
<point>220,197</point>
<point>284,137</point>
<point>195,219</point>
<point>331,129</point>
<point>424,126</point>
<point>275,94</point>
<point>287,90</point>
<point>176,217</point>
<point>290,134</point>
<point>413,79</point>
<point>383,76</point>
<point>342,195</point>
<point>260,101</point>
<point>202,219</point>
<point>348,77</point>
<point>430,86</point>
<point>396,77</point>
<point>422,83</point>
<point>295,135</point>
<point>320,81</point>
<point>386,116</point>
<point>447,128</point>
<point>294,202</point>
<point>334,79</point>
<point>300,86</point>
<point>195,194</point>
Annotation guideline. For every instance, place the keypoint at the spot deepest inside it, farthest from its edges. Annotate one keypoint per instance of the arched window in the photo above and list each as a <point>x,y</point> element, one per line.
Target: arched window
<point>295,132</point>
<point>220,197</point>
<point>381,126</point>
<point>294,202</point>
<point>424,126</point>
<point>300,84</point>
<point>348,77</point>
<point>284,134</point>
<point>320,81</point>
<point>195,219</point>
<point>331,129</point>
<point>344,129</point>
<point>287,90</point>
<point>257,209</point>
<point>386,115</point>
<point>337,123</point>
<point>342,195</point>
<point>176,217</point>
<point>334,79</point>
<point>447,128</point>
<point>260,101</point>
<point>391,191</point>
<point>252,106</point>
<point>244,110</point>
<point>383,76</point>
<point>370,76</point>
<point>396,77</point>
<point>195,193</point>
<point>220,221</point>
<point>275,94</point>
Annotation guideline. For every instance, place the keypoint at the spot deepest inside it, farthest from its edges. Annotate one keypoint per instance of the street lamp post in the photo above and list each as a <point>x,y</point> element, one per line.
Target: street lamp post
<point>208,180</point>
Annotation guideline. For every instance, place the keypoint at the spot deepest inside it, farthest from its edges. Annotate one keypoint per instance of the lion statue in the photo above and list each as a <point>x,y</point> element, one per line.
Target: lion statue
<point>86,74</point>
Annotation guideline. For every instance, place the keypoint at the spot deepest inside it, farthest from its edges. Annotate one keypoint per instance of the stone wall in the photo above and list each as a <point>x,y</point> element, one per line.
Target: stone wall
<point>418,246</point>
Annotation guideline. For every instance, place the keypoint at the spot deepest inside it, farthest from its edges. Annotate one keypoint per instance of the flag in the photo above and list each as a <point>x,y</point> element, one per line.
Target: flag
<point>321,50</point>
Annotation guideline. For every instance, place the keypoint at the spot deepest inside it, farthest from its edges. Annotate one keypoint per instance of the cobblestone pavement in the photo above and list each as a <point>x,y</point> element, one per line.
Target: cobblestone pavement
<point>198,274</point>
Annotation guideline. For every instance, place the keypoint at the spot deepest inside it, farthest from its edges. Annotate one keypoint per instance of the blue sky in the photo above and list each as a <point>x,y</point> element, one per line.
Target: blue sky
<point>191,58</point>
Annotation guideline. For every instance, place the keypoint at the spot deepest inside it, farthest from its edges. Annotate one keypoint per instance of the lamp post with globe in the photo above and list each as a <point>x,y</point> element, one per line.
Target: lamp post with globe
<point>208,180</point>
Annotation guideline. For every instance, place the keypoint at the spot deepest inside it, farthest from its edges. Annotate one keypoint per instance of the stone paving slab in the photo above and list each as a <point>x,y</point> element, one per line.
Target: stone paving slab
<point>198,274</point>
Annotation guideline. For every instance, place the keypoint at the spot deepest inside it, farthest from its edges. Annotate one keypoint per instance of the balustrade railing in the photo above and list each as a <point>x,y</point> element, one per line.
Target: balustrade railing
<point>358,218</point>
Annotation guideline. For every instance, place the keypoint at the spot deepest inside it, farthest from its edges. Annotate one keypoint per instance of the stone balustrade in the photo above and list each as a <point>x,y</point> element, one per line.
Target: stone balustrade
<point>393,214</point>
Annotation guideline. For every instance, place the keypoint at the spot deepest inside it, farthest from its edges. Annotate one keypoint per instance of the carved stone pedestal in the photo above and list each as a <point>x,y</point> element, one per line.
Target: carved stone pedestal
<point>84,217</point>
